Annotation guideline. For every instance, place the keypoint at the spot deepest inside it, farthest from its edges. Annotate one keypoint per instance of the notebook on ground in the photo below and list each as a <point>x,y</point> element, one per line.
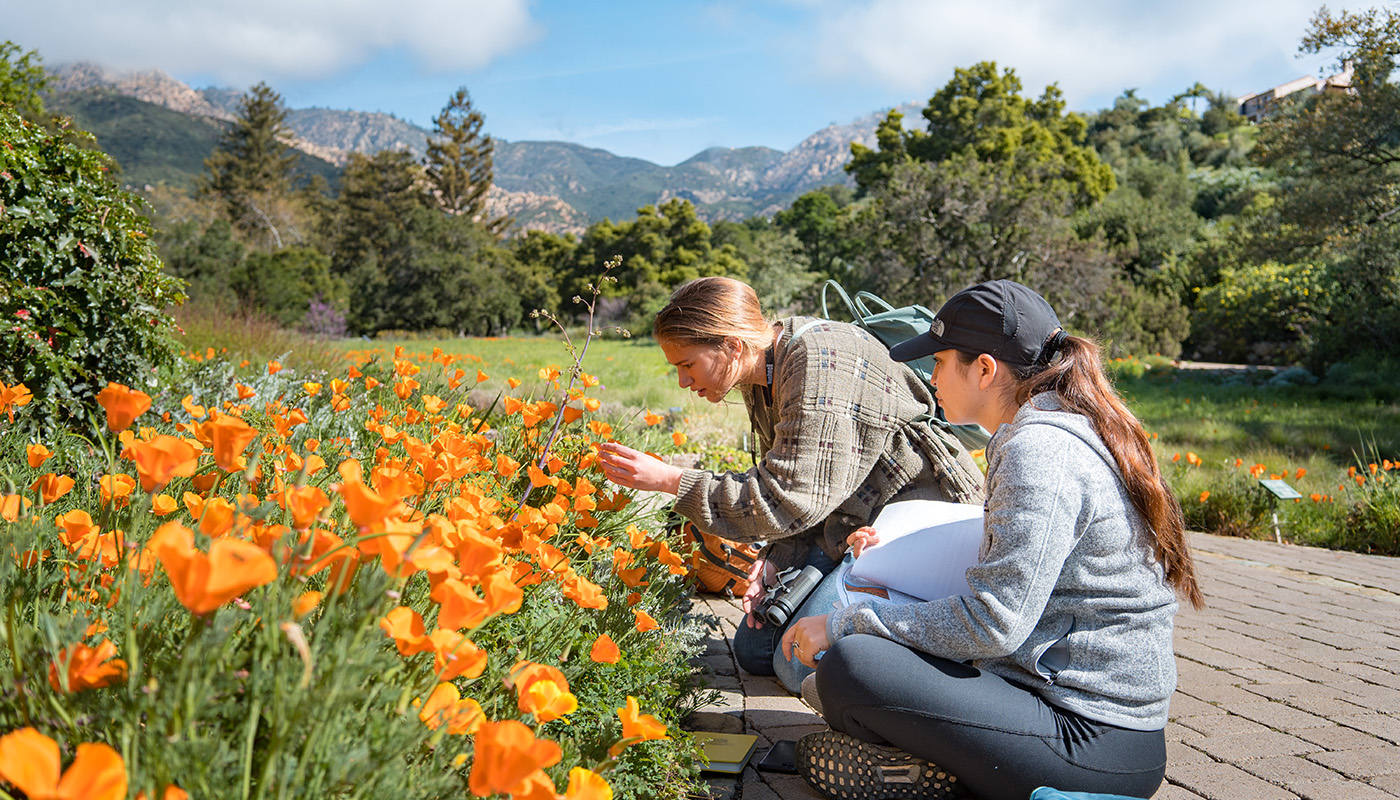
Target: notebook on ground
<point>727,752</point>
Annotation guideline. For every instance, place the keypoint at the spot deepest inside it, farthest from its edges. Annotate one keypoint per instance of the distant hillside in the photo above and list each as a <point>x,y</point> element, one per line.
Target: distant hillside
<point>166,129</point>
<point>154,145</point>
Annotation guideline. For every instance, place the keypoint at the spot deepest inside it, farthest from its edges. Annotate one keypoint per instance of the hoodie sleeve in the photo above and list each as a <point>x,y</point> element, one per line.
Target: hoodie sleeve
<point>1035,509</point>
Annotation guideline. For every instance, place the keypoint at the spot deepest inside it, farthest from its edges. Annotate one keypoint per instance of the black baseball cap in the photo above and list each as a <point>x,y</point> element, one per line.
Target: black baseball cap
<point>1003,319</point>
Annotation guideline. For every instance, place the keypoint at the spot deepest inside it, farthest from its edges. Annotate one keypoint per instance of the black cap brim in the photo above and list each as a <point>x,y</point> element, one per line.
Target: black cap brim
<point>924,344</point>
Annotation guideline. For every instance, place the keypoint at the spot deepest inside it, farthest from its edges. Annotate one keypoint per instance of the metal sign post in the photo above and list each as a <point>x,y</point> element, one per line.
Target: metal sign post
<point>1278,490</point>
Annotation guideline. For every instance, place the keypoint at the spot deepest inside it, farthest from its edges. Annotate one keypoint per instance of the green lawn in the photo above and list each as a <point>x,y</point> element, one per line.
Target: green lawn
<point>1209,431</point>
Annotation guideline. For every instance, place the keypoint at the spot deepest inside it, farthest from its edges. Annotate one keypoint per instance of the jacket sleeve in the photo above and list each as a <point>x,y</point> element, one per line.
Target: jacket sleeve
<point>821,454</point>
<point>1035,511</point>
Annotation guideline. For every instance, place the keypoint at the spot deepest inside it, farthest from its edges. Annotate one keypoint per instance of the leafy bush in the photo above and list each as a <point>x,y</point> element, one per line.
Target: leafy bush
<point>283,283</point>
<point>83,299</point>
<point>1260,314</point>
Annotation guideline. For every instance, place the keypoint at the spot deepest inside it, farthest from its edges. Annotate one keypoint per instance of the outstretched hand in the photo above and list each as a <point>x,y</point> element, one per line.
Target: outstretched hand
<point>636,470</point>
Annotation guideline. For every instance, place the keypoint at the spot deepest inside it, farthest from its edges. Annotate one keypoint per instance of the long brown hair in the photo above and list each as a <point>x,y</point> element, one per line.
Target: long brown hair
<point>1077,376</point>
<point>706,311</point>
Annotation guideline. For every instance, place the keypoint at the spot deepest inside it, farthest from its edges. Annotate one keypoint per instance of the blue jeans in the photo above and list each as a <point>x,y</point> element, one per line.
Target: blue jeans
<point>759,650</point>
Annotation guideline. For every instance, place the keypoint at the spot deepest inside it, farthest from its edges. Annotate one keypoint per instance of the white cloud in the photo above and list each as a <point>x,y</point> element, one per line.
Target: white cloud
<point>1091,48</point>
<point>240,42</point>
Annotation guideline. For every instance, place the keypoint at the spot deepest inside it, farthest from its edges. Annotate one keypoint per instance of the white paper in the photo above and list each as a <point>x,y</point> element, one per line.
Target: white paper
<point>925,549</point>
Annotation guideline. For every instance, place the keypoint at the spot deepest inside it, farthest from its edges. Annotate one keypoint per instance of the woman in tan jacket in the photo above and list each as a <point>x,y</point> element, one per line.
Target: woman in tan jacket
<point>842,429</point>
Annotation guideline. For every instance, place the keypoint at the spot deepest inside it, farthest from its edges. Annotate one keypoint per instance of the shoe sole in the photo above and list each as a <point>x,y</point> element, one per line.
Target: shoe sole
<point>841,766</point>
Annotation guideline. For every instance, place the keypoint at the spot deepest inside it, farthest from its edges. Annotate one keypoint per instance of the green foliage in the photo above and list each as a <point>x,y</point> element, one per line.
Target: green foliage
<point>283,283</point>
<point>816,220</point>
<point>250,172</point>
<point>22,81</point>
<point>1261,314</point>
<point>459,161</point>
<point>662,248</point>
<point>83,299</point>
<point>204,257</point>
<point>1143,319</point>
<point>981,114</point>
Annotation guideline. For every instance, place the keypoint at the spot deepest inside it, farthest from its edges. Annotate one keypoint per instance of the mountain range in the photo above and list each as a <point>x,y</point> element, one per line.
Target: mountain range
<point>159,130</point>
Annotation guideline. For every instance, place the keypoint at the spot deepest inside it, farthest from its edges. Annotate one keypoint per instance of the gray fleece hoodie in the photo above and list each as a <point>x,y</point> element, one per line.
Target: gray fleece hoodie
<point>1068,597</point>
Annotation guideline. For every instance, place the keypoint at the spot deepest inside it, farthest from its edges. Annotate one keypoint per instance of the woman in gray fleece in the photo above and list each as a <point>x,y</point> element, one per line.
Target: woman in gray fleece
<point>841,427</point>
<point>1056,668</point>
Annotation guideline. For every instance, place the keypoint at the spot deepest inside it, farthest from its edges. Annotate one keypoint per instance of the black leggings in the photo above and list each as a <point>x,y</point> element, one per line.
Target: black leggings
<point>1000,739</point>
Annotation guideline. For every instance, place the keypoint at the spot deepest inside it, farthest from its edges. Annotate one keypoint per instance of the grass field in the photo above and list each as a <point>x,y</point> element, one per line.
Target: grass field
<point>1216,434</point>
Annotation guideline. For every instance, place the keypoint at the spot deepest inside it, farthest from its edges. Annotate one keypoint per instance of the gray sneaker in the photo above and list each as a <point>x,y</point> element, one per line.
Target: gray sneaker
<point>844,767</point>
<point>809,693</point>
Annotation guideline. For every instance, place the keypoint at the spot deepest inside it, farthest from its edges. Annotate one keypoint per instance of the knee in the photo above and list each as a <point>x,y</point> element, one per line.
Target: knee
<point>753,649</point>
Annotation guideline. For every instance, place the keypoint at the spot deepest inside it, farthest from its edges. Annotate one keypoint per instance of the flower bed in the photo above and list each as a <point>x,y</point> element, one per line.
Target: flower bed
<point>361,586</point>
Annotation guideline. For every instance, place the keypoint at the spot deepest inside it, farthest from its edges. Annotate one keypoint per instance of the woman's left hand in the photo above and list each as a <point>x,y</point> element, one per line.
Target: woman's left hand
<point>636,470</point>
<point>806,638</point>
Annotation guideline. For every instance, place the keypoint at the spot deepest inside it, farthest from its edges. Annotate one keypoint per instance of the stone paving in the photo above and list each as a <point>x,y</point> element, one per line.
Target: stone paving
<point>1289,682</point>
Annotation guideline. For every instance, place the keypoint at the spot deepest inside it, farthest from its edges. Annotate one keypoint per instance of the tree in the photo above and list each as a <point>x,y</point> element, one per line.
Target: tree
<point>459,161</point>
<point>816,220</point>
<point>250,171</point>
<point>23,81</point>
<point>981,113</point>
<point>81,289</point>
<point>662,248</point>
<point>1338,153</point>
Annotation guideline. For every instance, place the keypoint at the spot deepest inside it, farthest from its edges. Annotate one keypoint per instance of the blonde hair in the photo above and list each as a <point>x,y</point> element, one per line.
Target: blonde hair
<point>707,311</point>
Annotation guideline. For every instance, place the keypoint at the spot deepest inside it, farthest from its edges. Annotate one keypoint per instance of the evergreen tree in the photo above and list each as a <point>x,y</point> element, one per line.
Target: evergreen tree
<point>250,172</point>
<point>459,161</point>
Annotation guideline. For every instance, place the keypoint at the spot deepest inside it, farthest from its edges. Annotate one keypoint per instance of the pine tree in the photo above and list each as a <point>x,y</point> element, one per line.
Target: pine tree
<point>250,172</point>
<point>459,161</point>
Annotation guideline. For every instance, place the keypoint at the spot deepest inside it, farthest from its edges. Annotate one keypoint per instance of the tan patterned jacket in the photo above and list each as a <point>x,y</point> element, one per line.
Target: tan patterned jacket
<point>839,441</point>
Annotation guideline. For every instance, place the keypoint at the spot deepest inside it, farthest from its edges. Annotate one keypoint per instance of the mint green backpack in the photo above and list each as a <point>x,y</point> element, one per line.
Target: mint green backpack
<point>893,325</point>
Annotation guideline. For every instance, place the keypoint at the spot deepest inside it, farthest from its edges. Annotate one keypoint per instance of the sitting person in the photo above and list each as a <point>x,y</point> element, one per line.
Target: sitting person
<point>1056,668</point>
<point>840,429</point>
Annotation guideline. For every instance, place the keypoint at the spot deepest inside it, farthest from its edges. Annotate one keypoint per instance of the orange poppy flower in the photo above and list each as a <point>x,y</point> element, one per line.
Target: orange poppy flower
<point>679,438</point>
<point>203,583</point>
<point>171,791</point>
<point>367,508</point>
<point>600,429</point>
<point>161,459</point>
<point>51,487</point>
<point>163,504</point>
<point>216,517</point>
<point>12,397</point>
<point>445,706</point>
<point>274,367</point>
<point>1205,496</point>
<point>36,454</point>
<point>405,627</point>
<point>306,603</point>
<point>507,753</point>
<point>77,525</point>
<point>542,690</point>
<point>605,650</point>
<point>584,593</point>
<point>115,489</point>
<point>311,388</point>
<point>30,762</point>
<point>229,436</point>
<point>123,405</point>
<point>653,419</point>
<point>644,621</point>
<point>454,655</point>
<point>305,504</point>
<point>637,727</point>
<point>585,784</point>
<point>87,667</point>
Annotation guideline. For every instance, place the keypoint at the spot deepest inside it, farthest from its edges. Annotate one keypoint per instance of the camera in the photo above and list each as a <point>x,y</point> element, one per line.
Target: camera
<point>782,599</point>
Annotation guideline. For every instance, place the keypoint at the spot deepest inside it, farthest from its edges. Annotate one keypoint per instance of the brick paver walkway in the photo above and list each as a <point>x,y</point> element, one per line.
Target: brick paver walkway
<point>1289,682</point>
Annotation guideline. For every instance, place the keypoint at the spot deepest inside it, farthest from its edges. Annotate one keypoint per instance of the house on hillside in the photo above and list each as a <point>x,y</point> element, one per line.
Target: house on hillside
<point>1256,106</point>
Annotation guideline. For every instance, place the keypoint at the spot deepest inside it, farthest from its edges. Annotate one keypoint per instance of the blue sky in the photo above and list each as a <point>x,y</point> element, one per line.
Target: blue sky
<point>664,80</point>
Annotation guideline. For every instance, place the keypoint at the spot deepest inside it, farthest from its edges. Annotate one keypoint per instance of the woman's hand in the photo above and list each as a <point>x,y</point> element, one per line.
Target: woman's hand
<point>862,538</point>
<point>760,575</point>
<point>806,638</point>
<point>636,470</point>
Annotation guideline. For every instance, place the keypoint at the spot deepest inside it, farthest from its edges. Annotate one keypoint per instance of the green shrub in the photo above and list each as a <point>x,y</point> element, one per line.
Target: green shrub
<point>82,297</point>
<point>1260,314</point>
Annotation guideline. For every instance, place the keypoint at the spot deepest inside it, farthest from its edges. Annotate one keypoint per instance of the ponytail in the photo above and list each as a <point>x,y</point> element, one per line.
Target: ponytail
<point>1077,376</point>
